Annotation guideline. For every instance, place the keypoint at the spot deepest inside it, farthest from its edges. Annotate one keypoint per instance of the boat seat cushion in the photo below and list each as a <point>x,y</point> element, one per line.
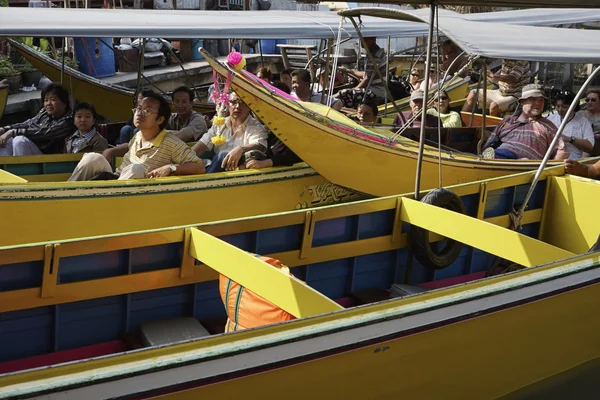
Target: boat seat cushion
<point>158,333</point>
<point>401,290</point>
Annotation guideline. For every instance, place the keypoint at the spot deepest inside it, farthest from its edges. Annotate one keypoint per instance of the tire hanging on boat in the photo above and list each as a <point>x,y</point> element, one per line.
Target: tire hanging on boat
<point>426,252</point>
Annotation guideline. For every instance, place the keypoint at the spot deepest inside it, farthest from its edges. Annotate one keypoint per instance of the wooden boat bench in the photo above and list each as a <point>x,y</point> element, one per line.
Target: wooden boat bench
<point>298,56</point>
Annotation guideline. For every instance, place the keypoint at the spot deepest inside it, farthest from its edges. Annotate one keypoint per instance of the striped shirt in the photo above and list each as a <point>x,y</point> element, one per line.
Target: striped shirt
<point>529,139</point>
<point>518,69</point>
<point>165,149</point>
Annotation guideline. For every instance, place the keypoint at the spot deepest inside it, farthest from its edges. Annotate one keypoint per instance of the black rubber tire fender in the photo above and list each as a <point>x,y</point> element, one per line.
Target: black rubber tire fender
<point>419,237</point>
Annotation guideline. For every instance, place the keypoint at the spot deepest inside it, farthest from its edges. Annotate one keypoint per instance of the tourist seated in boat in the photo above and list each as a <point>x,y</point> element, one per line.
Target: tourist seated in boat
<point>242,134</point>
<point>367,112</point>
<point>369,85</point>
<point>578,134</point>
<point>185,123</point>
<point>320,75</point>
<point>286,77</point>
<point>46,132</point>
<point>301,90</point>
<point>592,114</point>
<point>433,79</point>
<point>511,78</point>
<point>86,139</point>
<point>526,134</point>
<point>451,52</point>
<point>450,119</point>
<point>265,74</point>
<point>587,171</point>
<point>129,129</point>
<point>416,105</point>
<point>414,79</point>
<point>153,152</point>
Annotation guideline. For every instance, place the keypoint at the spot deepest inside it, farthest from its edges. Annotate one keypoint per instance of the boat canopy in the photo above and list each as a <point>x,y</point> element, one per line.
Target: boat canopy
<point>488,3</point>
<point>275,24</point>
<point>498,40</point>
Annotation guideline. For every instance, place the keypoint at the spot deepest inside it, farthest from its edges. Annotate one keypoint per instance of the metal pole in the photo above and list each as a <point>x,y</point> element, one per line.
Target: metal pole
<point>377,71</point>
<point>483,110</point>
<point>192,86</point>
<point>387,75</point>
<point>425,99</point>
<point>559,132</point>
<point>327,70</point>
<point>262,60</point>
<point>140,69</point>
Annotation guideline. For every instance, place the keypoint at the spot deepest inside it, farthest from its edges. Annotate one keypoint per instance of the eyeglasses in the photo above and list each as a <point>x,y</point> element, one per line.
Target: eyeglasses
<point>144,112</point>
<point>591,100</point>
<point>417,75</point>
<point>236,103</point>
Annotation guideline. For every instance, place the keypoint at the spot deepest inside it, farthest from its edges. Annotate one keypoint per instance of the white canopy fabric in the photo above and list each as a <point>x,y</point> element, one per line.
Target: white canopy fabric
<point>490,3</point>
<point>499,40</point>
<point>244,24</point>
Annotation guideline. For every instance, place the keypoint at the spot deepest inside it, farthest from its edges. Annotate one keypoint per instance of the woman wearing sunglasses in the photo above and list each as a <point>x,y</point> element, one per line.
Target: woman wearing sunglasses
<point>414,78</point>
<point>577,135</point>
<point>450,119</point>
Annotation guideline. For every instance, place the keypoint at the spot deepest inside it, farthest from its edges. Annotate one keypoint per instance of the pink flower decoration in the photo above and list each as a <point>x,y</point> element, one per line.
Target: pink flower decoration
<point>224,98</point>
<point>234,58</point>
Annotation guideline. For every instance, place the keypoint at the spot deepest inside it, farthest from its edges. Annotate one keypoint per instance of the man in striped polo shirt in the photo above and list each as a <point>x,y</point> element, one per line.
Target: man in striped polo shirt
<point>526,135</point>
<point>153,152</point>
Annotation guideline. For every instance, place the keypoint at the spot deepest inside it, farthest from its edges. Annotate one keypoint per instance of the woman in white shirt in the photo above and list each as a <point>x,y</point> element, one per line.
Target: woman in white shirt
<point>577,135</point>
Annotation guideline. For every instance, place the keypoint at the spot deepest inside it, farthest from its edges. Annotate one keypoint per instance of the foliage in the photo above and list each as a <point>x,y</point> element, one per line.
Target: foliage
<point>6,67</point>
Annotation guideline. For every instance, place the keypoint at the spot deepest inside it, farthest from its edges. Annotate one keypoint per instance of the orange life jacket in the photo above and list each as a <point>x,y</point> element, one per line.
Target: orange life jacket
<point>246,309</point>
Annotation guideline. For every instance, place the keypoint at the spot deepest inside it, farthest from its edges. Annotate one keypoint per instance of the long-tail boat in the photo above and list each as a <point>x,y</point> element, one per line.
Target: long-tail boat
<point>91,309</point>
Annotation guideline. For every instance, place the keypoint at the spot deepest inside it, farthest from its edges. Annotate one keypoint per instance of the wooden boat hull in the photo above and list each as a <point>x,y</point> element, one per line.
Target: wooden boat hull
<point>478,119</point>
<point>111,101</point>
<point>3,98</point>
<point>69,210</point>
<point>351,156</point>
<point>488,337</point>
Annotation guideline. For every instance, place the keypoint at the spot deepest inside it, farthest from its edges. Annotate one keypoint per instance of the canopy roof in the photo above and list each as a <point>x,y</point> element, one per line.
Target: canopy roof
<point>489,3</point>
<point>274,24</point>
<point>499,40</point>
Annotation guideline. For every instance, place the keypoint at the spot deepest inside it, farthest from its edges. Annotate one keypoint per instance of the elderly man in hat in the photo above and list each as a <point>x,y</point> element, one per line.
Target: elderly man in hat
<point>525,135</point>
<point>416,105</point>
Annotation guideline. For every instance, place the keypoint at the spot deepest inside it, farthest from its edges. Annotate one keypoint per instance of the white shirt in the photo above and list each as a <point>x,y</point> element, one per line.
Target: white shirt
<point>249,132</point>
<point>580,128</point>
<point>316,98</point>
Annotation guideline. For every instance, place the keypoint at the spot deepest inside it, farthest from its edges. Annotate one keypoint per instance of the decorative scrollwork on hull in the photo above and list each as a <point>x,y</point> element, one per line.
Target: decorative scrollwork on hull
<point>325,194</point>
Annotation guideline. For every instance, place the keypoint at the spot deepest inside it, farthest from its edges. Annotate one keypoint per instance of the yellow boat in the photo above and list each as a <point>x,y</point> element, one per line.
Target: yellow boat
<point>3,98</point>
<point>353,156</point>
<point>114,102</point>
<point>90,308</point>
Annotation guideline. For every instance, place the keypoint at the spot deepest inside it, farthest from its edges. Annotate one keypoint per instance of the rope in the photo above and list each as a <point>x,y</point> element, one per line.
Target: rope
<point>437,66</point>
<point>335,61</point>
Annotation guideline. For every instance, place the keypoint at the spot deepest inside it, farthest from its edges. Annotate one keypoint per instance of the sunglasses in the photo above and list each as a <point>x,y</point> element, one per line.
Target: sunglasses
<point>417,75</point>
<point>236,103</point>
<point>591,100</point>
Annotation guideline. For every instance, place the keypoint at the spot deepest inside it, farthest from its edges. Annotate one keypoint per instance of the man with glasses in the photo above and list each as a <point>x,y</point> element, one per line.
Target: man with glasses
<point>242,133</point>
<point>592,114</point>
<point>153,152</point>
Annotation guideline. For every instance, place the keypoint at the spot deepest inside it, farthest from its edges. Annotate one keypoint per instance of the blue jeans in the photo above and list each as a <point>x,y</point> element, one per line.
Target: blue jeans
<point>505,154</point>
<point>127,133</point>
<point>217,160</point>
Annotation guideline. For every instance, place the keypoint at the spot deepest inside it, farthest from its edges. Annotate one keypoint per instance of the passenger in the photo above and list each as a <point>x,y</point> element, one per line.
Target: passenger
<point>451,52</point>
<point>414,79</point>
<point>46,132</point>
<point>526,135</point>
<point>416,105</point>
<point>368,78</point>
<point>153,153</point>
<point>511,77</point>
<point>587,171</point>
<point>286,77</point>
<point>450,119</point>
<point>320,74</point>
<point>301,88</point>
<point>578,134</point>
<point>242,132</point>
<point>367,112</point>
<point>592,114</point>
<point>86,139</point>
<point>129,129</point>
<point>187,124</point>
<point>434,77</point>
<point>265,74</point>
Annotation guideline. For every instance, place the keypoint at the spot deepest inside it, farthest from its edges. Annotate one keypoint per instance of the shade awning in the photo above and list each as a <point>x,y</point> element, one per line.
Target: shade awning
<point>489,3</point>
<point>497,40</point>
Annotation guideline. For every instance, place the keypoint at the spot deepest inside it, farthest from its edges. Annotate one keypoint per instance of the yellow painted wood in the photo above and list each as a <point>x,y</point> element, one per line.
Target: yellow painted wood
<point>50,275</point>
<point>571,220</point>
<point>40,159</point>
<point>47,177</point>
<point>272,284</point>
<point>482,235</point>
<point>8,178</point>
<point>307,234</point>
<point>187,261</point>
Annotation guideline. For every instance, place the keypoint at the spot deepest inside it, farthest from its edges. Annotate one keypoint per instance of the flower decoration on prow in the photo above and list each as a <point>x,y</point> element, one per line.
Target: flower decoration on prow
<point>219,121</point>
<point>236,60</point>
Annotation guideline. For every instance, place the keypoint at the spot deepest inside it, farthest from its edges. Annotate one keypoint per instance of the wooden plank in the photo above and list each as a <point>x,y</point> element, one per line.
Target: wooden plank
<point>267,281</point>
<point>307,234</point>
<point>482,235</point>
<point>50,273</point>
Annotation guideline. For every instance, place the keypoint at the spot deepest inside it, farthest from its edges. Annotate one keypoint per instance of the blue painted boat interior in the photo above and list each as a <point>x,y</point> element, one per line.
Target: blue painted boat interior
<point>49,329</point>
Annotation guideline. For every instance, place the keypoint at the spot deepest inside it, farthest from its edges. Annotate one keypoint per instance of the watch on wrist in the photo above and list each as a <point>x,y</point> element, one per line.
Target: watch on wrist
<point>173,168</point>
<point>572,139</point>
